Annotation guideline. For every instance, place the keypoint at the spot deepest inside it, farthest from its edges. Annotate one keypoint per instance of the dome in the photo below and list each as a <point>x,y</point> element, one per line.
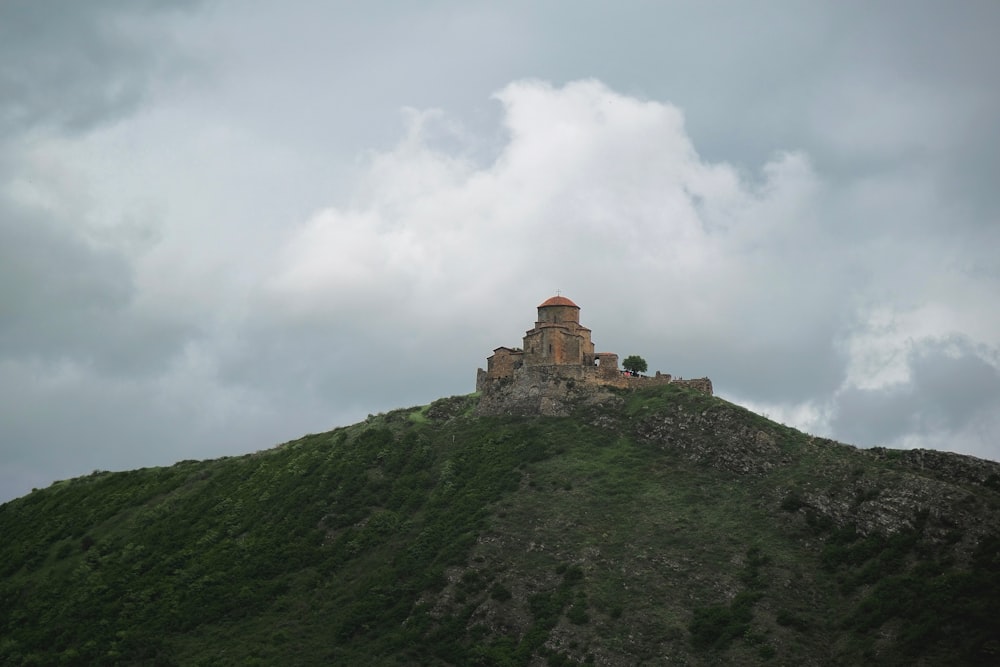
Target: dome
<point>557,301</point>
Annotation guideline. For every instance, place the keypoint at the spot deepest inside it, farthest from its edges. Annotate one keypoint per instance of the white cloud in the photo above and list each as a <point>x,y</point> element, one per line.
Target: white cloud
<point>240,247</point>
<point>604,195</point>
<point>594,190</point>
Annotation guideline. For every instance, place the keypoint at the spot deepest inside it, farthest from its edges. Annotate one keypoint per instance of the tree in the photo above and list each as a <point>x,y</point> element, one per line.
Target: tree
<point>635,364</point>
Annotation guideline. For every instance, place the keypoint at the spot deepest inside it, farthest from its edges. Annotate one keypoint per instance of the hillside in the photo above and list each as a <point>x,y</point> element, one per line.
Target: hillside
<point>661,526</point>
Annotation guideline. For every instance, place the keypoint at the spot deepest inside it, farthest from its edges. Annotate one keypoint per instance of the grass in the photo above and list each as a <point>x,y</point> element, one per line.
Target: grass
<point>419,416</point>
<point>428,536</point>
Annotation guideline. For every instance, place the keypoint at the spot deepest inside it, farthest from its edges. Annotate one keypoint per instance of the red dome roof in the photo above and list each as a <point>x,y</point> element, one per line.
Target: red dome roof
<point>557,301</point>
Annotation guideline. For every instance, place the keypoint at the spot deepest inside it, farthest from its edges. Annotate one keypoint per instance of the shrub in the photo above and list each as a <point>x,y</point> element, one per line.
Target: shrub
<point>500,593</point>
<point>577,614</point>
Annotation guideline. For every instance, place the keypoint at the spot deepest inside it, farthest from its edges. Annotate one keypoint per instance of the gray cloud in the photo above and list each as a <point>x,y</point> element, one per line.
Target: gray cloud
<point>67,285</point>
<point>793,199</point>
<point>54,286</point>
<point>76,65</point>
<point>951,386</point>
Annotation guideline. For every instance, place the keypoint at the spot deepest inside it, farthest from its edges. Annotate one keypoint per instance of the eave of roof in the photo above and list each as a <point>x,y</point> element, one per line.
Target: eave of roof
<point>558,301</point>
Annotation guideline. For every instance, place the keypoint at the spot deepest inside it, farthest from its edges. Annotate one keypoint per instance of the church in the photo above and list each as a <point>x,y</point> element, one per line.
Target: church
<point>555,362</point>
<point>557,339</point>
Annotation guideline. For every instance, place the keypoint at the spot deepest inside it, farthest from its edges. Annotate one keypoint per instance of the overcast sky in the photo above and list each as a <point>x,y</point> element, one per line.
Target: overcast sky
<point>227,224</point>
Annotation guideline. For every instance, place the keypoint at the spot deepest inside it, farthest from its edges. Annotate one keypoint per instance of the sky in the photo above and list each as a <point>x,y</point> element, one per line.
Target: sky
<point>227,224</point>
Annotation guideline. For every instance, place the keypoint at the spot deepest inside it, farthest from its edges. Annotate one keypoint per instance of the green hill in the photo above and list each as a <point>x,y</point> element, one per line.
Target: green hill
<point>662,526</point>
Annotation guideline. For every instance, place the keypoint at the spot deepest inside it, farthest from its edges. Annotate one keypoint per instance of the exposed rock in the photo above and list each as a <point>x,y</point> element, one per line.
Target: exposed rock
<point>719,438</point>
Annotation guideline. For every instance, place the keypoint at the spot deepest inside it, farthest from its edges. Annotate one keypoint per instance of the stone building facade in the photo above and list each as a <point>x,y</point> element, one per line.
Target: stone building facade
<point>556,364</point>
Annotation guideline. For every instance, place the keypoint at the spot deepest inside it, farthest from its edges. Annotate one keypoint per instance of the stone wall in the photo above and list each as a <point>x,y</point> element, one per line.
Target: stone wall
<point>503,362</point>
<point>562,343</point>
<point>640,381</point>
<point>703,385</point>
<point>539,390</point>
<point>551,390</point>
<point>558,314</point>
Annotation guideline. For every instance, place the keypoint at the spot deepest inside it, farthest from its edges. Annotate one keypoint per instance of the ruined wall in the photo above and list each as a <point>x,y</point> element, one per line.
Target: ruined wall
<point>640,381</point>
<point>540,390</point>
<point>703,385</point>
<point>512,376</point>
<point>552,389</point>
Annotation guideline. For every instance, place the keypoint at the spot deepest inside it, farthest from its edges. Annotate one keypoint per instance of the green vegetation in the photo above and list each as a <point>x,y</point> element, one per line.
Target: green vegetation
<point>635,364</point>
<point>662,524</point>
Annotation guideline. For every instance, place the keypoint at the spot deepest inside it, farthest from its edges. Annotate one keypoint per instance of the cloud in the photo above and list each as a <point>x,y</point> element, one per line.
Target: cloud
<point>840,303</point>
<point>753,278</point>
<point>597,193</point>
<point>68,269</point>
<point>68,282</point>
<point>948,399</point>
<point>81,353</point>
<point>77,65</point>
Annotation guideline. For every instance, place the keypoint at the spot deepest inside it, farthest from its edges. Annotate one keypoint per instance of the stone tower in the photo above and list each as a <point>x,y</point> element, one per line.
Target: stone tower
<point>558,338</point>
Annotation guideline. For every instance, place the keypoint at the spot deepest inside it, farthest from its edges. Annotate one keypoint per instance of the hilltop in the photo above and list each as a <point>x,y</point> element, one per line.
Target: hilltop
<point>658,525</point>
<point>558,366</point>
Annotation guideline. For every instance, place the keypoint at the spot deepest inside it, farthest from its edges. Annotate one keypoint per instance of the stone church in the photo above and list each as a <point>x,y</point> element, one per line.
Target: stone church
<point>556,363</point>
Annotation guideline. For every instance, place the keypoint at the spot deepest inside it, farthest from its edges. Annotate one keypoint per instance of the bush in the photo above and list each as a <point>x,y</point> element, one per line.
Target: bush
<point>716,626</point>
<point>500,593</point>
<point>792,502</point>
<point>577,614</point>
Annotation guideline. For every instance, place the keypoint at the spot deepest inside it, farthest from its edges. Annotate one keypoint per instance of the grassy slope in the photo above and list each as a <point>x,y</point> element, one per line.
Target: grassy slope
<point>427,536</point>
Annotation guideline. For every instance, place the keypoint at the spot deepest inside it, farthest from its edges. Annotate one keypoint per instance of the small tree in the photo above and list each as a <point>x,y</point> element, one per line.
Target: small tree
<point>634,364</point>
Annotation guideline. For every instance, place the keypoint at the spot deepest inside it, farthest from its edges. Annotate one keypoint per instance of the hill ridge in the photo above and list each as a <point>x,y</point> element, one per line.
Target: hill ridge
<point>661,525</point>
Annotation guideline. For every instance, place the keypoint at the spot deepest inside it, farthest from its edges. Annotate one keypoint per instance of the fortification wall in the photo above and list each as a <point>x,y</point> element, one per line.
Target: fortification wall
<point>703,385</point>
<point>640,381</point>
<point>539,390</point>
<point>553,389</point>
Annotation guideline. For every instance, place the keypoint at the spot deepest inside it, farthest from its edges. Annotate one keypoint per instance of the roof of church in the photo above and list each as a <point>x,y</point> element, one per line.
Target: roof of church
<point>557,301</point>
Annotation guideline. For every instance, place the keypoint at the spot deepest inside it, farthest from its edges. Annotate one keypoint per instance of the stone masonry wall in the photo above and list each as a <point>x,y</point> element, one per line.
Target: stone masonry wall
<point>552,390</point>
<point>539,390</point>
<point>503,362</point>
<point>703,385</point>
